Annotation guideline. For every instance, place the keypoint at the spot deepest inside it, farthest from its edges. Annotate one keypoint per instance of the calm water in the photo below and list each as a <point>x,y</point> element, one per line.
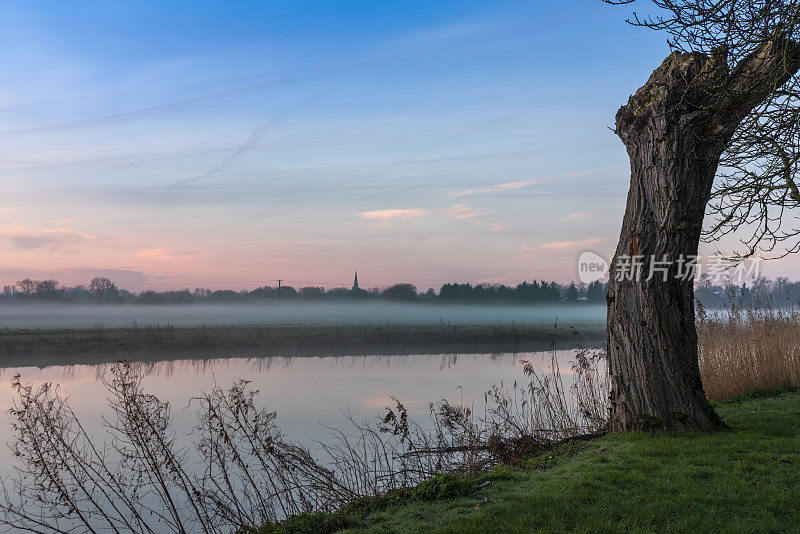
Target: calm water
<point>306,392</point>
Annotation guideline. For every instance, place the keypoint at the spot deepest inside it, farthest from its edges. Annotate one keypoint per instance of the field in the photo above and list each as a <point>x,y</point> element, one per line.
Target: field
<point>83,345</point>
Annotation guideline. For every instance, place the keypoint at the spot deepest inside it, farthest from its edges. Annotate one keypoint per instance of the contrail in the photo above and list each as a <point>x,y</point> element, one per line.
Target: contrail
<point>441,142</point>
<point>116,117</point>
<point>287,76</point>
<point>527,183</point>
<point>255,137</point>
<point>87,98</point>
<point>203,152</point>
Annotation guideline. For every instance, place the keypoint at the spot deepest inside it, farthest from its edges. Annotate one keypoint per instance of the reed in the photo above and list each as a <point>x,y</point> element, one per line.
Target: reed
<point>748,346</point>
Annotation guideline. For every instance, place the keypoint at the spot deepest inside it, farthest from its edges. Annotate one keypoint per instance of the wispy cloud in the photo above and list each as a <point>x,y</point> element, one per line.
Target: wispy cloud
<point>565,245</point>
<point>498,227</point>
<point>454,32</point>
<point>461,211</point>
<point>388,215</point>
<point>24,240</point>
<point>527,183</point>
<point>576,216</point>
<point>74,233</point>
<point>25,243</point>
<point>166,254</point>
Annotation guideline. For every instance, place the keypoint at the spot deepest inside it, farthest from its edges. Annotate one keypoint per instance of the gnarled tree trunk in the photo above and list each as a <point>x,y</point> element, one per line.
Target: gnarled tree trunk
<point>675,129</point>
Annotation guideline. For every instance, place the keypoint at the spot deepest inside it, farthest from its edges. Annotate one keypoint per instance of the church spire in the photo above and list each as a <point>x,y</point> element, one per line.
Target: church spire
<point>355,282</point>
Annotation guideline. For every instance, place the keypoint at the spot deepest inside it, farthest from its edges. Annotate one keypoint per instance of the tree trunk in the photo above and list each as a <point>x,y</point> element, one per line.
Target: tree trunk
<point>675,129</point>
<point>652,340</point>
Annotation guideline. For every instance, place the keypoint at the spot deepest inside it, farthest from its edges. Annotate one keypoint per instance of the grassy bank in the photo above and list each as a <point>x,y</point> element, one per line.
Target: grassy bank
<point>17,344</point>
<point>742,480</point>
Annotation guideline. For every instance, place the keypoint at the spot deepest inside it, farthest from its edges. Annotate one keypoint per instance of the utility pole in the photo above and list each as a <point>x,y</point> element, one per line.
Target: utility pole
<point>279,291</point>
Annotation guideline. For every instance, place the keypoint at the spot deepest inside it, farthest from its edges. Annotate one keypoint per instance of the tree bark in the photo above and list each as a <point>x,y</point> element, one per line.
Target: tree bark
<point>675,129</point>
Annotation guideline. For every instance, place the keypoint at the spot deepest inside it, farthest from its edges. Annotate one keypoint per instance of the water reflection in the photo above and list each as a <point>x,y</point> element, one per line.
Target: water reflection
<point>308,393</point>
<point>263,364</point>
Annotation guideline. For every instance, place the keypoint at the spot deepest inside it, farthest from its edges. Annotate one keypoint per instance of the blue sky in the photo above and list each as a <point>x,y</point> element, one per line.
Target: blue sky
<point>229,143</point>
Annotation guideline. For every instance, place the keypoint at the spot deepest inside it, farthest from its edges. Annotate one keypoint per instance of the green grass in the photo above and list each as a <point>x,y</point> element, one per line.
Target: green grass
<point>743,480</point>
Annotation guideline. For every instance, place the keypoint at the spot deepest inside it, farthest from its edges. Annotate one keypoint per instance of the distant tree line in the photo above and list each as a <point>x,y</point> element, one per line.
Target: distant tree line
<point>100,289</point>
<point>105,291</point>
<point>779,292</point>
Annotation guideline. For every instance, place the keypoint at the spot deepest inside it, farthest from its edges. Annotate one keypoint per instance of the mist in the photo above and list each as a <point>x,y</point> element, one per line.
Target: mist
<point>51,315</point>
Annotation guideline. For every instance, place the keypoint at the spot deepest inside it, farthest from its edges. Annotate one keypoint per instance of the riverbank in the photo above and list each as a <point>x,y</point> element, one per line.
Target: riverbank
<point>28,346</point>
<point>742,480</point>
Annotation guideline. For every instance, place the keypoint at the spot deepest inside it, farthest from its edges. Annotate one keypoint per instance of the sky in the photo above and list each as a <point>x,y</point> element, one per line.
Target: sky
<point>230,144</point>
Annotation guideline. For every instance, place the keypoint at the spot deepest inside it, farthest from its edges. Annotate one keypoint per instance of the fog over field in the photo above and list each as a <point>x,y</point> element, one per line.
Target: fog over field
<point>84,316</point>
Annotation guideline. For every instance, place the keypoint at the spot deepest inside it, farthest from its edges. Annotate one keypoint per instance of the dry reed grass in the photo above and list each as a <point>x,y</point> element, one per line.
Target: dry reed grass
<point>746,347</point>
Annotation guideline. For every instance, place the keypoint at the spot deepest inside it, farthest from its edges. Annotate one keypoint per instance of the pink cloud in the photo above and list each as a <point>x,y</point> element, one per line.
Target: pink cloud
<point>575,216</point>
<point>461,211</point>
<point>74,233</point>
<point>565,245</point>
<point>69,220</point>
<point>27,239</point>
<point>391,214</point>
